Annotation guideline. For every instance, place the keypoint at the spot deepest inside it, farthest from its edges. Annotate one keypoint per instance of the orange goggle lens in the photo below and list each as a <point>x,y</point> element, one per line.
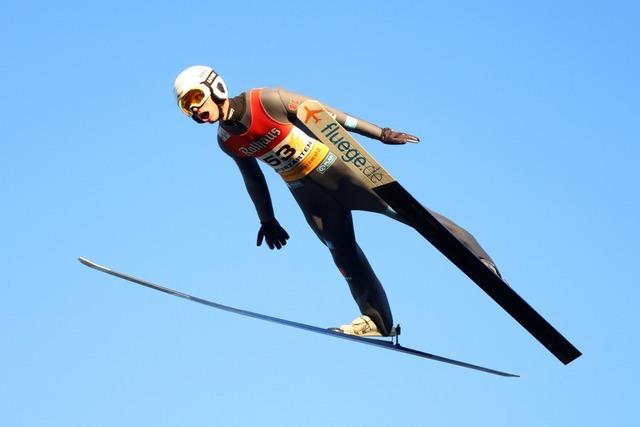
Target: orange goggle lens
<point>193,98</point>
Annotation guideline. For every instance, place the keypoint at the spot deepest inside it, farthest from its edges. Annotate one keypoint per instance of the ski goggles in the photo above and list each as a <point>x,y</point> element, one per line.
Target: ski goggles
<point>194,98</point>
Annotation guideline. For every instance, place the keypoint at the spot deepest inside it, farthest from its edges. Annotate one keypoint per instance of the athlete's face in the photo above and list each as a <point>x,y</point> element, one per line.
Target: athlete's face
<point>207,112</point>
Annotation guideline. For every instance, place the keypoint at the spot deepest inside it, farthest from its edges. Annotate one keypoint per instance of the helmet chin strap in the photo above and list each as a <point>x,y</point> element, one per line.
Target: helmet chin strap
<point>220,111</point>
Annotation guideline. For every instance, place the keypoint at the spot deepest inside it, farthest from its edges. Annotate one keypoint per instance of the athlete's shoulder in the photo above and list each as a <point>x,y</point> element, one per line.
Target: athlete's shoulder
<point>273,97</point>
<point>290,100</point>
<point>275,105</point>
<point>278,102</point>
<point>269,97</point>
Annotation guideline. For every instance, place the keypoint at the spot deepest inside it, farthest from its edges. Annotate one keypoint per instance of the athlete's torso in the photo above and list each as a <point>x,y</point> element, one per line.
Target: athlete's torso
<point>277,142</point>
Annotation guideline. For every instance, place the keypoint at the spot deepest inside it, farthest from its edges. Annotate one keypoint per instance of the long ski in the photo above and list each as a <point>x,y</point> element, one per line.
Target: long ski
<point>313,115</point>
<point>370,341</point>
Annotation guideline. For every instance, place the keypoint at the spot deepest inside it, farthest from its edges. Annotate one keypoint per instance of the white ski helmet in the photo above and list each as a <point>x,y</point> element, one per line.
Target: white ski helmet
<point>200,77</point>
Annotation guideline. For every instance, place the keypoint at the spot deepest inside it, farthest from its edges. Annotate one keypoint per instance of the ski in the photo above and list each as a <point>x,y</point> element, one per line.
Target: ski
<point>350,152</point>
<point>370,341</point>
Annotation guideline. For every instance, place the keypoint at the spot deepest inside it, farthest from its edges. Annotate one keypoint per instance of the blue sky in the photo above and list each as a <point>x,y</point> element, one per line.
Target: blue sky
<point>528,115</point>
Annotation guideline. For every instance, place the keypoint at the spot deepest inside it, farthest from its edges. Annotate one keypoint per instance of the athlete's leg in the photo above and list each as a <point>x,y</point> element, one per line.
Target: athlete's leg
<point>463,235</point>
<point>354,195</point>
<point>333,224</point>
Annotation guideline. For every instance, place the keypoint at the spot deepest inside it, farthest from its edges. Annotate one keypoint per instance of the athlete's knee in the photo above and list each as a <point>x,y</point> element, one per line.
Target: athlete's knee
<point>461,233</point>
<point>464,235</point>
<point>343,253</point>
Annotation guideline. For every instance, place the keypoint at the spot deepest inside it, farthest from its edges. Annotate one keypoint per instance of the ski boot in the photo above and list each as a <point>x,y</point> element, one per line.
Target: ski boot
<point>363,326</point>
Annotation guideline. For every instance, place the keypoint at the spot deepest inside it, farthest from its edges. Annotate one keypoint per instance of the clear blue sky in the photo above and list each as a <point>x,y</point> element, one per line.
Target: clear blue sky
<point>528,113</point>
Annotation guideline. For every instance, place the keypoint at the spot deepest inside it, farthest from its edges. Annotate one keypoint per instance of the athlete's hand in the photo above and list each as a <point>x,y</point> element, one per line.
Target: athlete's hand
<point>390,136</point>
<point>273,234</point>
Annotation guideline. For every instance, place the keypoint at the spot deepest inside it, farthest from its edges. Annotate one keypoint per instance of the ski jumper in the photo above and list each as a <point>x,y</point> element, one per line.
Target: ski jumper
<point>262,125</point>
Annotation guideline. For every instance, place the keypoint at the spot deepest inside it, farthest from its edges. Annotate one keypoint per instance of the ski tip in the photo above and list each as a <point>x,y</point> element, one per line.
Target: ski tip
<point>91,264</point>
<point>85,261</point>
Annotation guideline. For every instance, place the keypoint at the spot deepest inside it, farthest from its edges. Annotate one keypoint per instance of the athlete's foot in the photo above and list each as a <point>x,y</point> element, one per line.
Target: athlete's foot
<point>363,326</point>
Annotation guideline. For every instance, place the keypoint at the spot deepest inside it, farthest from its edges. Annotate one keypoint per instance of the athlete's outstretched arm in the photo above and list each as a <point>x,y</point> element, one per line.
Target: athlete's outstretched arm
<point>270,229</point>
<point>388,136</point>
<point>256,187</point>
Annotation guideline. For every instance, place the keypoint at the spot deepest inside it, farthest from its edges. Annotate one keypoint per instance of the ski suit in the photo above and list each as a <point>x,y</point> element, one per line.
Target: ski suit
<point>262,124</point>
